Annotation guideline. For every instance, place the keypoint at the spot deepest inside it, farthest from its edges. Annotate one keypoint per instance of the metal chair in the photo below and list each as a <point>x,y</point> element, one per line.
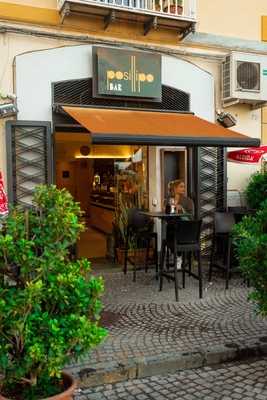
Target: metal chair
<point>182,238</point>
<point>140,227</point>
<point>221,254</point>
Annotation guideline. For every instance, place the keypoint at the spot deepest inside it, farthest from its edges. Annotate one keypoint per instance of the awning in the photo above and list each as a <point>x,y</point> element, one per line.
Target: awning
<point>116,126</point>
<point>248,156</point>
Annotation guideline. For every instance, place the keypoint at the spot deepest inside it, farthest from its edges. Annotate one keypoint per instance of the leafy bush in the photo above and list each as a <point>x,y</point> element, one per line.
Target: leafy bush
<point>49,304</point>
<point>250,237</point>
<point>256,191</point>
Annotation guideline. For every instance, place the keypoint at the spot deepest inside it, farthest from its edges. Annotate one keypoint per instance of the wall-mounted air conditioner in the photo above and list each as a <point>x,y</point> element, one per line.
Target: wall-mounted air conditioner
<point>244,78</point>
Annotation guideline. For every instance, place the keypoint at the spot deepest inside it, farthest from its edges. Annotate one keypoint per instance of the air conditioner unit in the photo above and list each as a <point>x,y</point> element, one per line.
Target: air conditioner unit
<point>244,78</point>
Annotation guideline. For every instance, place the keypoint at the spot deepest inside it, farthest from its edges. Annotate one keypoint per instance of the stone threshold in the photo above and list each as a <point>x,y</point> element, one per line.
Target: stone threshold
<point>136,368</point>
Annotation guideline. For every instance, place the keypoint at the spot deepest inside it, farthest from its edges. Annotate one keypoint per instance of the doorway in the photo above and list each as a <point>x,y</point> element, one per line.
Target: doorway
<point>103,179</point>
<point>173,167</point>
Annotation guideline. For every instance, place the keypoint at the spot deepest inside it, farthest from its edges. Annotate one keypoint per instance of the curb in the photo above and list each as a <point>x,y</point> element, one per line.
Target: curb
<point>113,372</point>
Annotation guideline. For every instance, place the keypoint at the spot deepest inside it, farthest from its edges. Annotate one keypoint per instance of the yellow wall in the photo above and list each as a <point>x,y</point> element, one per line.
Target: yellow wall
<point>264,110</point>
<point>227,17</point>
<point>238,18</point>
<point>25,12</point>
<point>264,126</point>
<point>34,3</point>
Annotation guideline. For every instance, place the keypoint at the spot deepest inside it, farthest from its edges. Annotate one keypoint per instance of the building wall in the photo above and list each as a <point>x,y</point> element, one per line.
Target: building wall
<point>54,65</point>
<point>228,17</point>
<point>10,46</point>
<point>238,18</point>
<point>264,126</point>
<point>264,111</point>
<point>41,15</point>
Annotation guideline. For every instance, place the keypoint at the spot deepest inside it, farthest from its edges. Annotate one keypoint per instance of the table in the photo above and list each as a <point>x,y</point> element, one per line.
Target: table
<point>164,215</point>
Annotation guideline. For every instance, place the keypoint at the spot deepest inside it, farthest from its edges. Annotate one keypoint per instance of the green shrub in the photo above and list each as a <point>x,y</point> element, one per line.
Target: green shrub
<point>49,304</point>
<point>256,191</point>
<point>250,237</point>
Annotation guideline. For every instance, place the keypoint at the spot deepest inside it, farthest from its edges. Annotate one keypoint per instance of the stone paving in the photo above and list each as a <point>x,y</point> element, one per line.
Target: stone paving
<point>144,322</point>
<point>229,381</point>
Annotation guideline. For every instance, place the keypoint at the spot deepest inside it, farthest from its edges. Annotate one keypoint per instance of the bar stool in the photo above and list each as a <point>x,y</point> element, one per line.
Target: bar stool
<point>182,237</point>
<point>221,253</point>
<point>140,227</point>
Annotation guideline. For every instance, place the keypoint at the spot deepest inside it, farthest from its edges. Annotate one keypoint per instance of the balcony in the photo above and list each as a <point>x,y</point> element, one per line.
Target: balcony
<point>179,15</point>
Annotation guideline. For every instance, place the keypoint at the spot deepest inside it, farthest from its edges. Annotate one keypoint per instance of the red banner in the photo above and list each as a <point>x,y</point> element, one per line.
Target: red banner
<point>3,198</point>
<point>247,156</point>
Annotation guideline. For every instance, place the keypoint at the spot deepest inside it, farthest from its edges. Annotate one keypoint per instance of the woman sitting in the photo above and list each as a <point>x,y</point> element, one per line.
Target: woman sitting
<point>182,203</point>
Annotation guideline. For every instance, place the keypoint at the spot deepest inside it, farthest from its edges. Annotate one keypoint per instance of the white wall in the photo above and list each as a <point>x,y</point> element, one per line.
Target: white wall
<point>35,72</point>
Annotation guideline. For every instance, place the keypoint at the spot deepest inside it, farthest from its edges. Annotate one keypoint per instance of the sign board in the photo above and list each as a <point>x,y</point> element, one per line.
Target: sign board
<point>126,74</point>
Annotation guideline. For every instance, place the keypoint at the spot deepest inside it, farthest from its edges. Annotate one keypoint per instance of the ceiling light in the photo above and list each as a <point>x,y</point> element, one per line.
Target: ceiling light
<point>105,156</point>
<point>85,150</point>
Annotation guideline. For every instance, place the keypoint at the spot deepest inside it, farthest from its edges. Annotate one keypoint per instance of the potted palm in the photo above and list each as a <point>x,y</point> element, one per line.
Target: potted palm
<point>49,303</point>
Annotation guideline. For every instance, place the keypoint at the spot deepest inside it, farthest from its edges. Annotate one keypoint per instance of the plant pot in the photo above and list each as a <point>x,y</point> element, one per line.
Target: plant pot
<point>173,9</point>
<point>139,254</point>
<point>68,394</point>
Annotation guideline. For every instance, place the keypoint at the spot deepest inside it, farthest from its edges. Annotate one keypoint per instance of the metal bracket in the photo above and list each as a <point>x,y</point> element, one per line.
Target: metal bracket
<point>192,28</point>
<point>152,23</point>
<point>64,13</point>
<point>111,17</point>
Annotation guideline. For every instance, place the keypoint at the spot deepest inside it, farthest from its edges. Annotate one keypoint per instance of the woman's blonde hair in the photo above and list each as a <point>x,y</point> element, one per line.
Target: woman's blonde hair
<point>173,184</point>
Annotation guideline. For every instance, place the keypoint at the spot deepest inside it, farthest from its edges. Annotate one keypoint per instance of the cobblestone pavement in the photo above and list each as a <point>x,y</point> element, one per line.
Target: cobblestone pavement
<point>229,381</point>
<point>145,322</point>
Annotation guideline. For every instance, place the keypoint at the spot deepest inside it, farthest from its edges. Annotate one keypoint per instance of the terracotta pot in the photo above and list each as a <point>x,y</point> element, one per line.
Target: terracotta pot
<point>173,9</point>
<point>68,394</point>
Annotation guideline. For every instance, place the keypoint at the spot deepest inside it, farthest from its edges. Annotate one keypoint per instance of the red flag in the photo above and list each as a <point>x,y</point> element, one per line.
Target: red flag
<point>3,198</point>
<point>247,156</point>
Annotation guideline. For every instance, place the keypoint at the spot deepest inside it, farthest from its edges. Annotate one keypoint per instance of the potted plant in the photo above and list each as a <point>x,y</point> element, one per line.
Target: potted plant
<point>173,6</point>
<point>49,304</point>
<point>137,248</point>
<point>250,237</point>
<point>158,5</point>
<point>256,191</point>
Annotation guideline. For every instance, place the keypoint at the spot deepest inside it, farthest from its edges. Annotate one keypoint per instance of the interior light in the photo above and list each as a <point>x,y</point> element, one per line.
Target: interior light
<point>105,156</point>
<point>85,150</point>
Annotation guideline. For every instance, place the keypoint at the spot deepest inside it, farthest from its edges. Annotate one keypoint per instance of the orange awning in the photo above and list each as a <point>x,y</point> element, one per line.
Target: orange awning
<point>116,126</point>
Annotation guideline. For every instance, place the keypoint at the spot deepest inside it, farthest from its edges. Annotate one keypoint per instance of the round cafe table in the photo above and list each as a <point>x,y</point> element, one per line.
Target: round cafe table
<point>165,216</point>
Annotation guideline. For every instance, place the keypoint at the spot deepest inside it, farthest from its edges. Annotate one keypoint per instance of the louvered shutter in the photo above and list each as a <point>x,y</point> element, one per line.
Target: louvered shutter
<point>29,159</point>
<point>211,190</point>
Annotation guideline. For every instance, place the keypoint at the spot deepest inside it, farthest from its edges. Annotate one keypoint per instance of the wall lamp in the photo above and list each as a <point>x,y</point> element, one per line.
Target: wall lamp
<point>226,119</point>
<point>8,110</point>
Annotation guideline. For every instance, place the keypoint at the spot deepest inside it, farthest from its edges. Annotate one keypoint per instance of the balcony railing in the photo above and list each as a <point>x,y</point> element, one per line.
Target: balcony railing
<point>179,14</point>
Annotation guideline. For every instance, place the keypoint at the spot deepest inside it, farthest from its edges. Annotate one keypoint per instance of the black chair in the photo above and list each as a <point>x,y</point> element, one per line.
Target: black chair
<point>221,254</point>
<point>182,238</point>
<point>240,212</point>
<point>140,227</point>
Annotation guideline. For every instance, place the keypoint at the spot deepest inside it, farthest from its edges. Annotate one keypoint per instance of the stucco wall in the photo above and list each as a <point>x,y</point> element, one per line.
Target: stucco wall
<point>34,3</point>
<point>10,46</point>
<point>33,80</point>
<point>238,18</point>
<point>34,94</point>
